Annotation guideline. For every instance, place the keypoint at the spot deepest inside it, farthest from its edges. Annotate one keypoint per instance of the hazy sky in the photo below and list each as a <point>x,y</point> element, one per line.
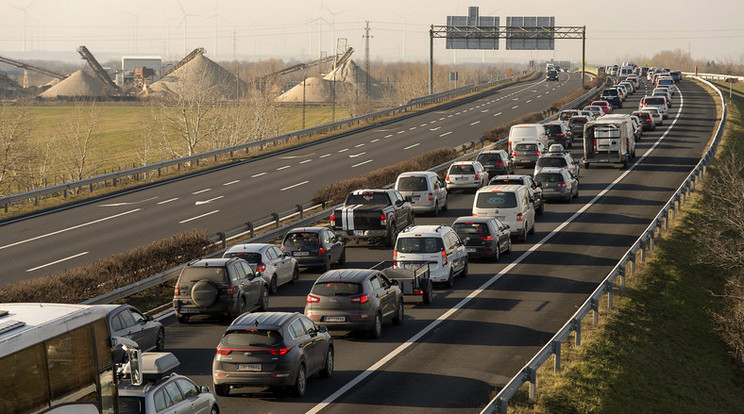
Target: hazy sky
<point>298,29</point>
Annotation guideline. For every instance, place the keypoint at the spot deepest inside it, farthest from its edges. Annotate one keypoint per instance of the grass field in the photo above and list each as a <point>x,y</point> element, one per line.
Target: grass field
<point>659,351</point>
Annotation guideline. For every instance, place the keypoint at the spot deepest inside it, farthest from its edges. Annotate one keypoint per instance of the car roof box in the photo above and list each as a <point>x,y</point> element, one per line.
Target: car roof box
<point>156,365</point>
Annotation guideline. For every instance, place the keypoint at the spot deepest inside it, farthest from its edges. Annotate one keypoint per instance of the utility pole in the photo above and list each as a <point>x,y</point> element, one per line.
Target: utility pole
<point>235,45</point>
<point>304,80</point>
<point>366,55</point>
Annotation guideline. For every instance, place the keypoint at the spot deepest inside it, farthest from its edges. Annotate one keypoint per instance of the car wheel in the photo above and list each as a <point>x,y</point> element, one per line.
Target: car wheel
<point>300,385</point>
<point>450,280</point>
<point>523,235</point>
<point>327,264</point>
<point>497,255</point>
<point>569,198</point>
<point>295,275</point>
<point>436,208</point>
<point>342,259</point>
<point>508,246</point>
<point>264,301</point>
<point>428,292</point>
<point>398,319</point>
<point>376,331</point>
<point>541,210</point>
<point>221,389</point>
<point>215,410</point>
<point>444,207</point>
<point>273,285</point>
<point>464,271</point>
<point>160,342</point>
<point>182,318</point>
<point>390,239</point>
<point>327,370</point>
<point>532,229</point>
<point>586,165</point>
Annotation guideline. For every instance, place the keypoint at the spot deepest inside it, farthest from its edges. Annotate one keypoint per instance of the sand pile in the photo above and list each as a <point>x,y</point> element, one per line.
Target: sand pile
<point>79,84</point>
<point>350,72</point>
<point>199,74</point>
<point>317,90</point>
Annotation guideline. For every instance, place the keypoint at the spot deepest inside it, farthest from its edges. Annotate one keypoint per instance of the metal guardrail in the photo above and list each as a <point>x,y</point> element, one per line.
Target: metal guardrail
<point>249,147</point>
<point>645,242</point>
<point>713,76</point>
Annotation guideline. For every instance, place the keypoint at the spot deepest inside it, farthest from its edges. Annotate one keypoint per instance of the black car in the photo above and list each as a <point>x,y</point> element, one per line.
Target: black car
<point>315,246</point>
<point>612,96</point>
<point>275,349</point>
<point>552,75</point>
<point>496,162</point>
<point>576,125</point>
<point>221,287</point>
<point>484,237</point>
<point>558,134</point>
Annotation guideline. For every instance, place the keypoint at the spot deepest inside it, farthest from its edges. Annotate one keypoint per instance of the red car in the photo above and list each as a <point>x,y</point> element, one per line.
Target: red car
<point>606,107</point>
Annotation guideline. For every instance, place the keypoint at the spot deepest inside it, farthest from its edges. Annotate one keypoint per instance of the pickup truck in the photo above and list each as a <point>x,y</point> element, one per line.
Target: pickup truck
<point>375,215</point>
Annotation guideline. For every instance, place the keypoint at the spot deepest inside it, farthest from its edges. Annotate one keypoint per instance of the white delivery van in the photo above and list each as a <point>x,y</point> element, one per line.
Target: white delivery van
<point>428,192</point>
<point>609,139</point>
<point>509,203</point>
<point>527,132</point>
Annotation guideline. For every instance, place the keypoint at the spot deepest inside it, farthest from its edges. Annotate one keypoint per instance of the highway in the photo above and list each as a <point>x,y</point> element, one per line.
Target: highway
<point>228,197</point>
<point>451,356</point>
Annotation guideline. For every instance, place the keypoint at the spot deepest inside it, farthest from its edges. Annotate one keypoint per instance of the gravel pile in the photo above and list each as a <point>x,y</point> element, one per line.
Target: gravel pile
<point>349,78</point>
<point>199,74</point>
<point>79,84</point>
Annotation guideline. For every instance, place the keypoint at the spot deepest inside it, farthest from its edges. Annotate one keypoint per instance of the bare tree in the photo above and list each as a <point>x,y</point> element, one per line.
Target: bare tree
<point>77,143</point>
<point>15,131</point>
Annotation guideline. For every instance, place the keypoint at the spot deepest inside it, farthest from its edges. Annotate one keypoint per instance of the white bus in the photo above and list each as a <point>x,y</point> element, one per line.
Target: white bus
<point>57,358</point>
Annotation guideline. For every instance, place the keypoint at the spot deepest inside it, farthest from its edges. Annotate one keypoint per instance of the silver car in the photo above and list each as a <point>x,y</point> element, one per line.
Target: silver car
<point>558,184</point>
<point>128,322</point>
<point>268,261</point>
<point>466,175</point>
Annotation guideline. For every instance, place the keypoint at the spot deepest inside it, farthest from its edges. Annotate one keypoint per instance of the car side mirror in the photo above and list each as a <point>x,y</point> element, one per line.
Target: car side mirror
<point>148,318</point>
<point>322,329</point>
<point>394,282</point>
<point>204,389</point>
<point>507,227</point>
<point>409,198</point>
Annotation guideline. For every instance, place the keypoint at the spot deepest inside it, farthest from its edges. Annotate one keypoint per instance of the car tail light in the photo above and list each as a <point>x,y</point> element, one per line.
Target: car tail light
<point>537,153</point>
<point>312,299</point>
<point>485,237</point>
<point>280,351</point>
<point>224,351</point>
<point>176,291</point>
<point>395,258</point>
<point>519,216</point>
<point>561,185</point>
<point>418,292</point>
<point>560,134</point>
<point>431,197</point>
<point>333,218</point>
<point>260,267</point>
<point>514,153</point>
<point>476,176</point>
<point>229,289</point>
<point>595,145</point>
<point>444,258</point>
<point>321,251</point>
<point>359,299</point>
<point>499,162</point>
<point>383,219</point>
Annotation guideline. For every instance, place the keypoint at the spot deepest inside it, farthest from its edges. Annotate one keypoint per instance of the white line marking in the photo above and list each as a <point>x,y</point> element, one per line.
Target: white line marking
<point>474,123</point>
<point>422,125</point>
<point>539,96</point>
<point>358,145</point>
<point>375,140</point>
<point>70,228</point>
<point>258,175</point>
<point>515,99</point>
<point>198,203</point>
<point>388,136</point>
<point>441,119</point>
<point>434,121</point>
<point>198,217</point>
<point>485,110</point>
<point>306,161</point>
<point>498,114</point>
<point>57,261</point>
<point>129,203</point>
<point>415,338</point>
<point>446,133</point>
<point>458,113</point>
<point>343,150</point>
<point>361,163</point>
<point>356,155</point>
<point>283,168</point>
<point>167,201</point>
<point>201,191</point>
<point>411,146</point>
<point>412,128</point>
<point>293,186</point>
<point>515,106</point>
<point>325,156</point>
<point>232,182</point>
<point>434,129</point>
<point>529,101</point>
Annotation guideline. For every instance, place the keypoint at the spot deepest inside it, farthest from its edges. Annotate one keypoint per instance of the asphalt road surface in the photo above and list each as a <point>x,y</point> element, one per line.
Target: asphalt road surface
<point>453,355</point>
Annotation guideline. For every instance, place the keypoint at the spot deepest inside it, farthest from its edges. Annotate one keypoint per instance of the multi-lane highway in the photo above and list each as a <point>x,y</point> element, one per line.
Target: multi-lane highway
<point>452,355</point>
<point>228,197</point>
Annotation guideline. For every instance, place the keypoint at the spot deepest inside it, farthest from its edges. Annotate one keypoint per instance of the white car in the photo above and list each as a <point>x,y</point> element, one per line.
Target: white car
<point>269,262</point>
<point>439,246</point>
<point>655,114</point>
<point>428,192</point>
<point>466,175</point>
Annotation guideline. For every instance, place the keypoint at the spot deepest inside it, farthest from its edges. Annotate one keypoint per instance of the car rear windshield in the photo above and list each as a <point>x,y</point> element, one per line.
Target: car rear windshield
<point>642,115</point>
<point>419,245</point>
<point>666,82</point>
<point>522,132</point>
<point>245,338</point>
<point>462,169</point>
<point>610,92</point>
<point>412,184</point>
<point>565,115</point>
<point>574,121</point>
<point>132,405</point>
<point>302,239</point>
<point>526,147</point>
<point>655,101</point>
<point>548,178</point>
<point>496,199</point>
<point>371,198</point>
<point>249,257</point>
<point>470,228</point>
<point>193,274</point>
<point>491,157</point>
<point>551,162</point>
<point>553,130</point>
<point>336,289</point>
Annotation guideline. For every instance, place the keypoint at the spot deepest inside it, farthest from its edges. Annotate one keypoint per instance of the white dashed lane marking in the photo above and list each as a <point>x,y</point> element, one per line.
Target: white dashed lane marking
<point>283,168</point>
<point>258,175</point>
<point>201,191</point>
<point>293,186</point>
<point>198,217</point>
<point>411,146</point>
<point>232,182</point>
<point>361,163</point>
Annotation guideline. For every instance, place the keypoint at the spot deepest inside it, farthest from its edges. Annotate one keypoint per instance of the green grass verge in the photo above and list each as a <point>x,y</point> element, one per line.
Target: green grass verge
<point>658,351</point>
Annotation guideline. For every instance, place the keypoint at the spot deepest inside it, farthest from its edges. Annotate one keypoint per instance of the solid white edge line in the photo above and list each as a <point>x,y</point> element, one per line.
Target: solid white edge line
<point>69,228</point>
<point>198,217</point>
<point>57,261</point>
<point>293,186</point>
<point>402,347</point>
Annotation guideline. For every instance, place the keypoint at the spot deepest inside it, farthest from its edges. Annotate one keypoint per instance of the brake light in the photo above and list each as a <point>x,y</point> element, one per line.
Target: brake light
<point>561,185</point>
<point>444,258</point>
<point>260,267</point>
<point>447,178</point>
<point>649,120</point>
<point>395,258</point>
<point>485,237</point>
<point>224,351</point>
<point>431,197</point>
<point>499,163</point>
<point>560,134</point>
<point>519,216</point>
<point>176,291</point>
<point>321,251</point>
<point>333,218</point>
<point>537,153</point>
<point>515,153</point>
<point>383,219</point>
<point>595,145</point>
<point>360,299</point>
<point>312,299</point>
<point>229,289</point>
<point>279,351</point>
<point>476,176</point>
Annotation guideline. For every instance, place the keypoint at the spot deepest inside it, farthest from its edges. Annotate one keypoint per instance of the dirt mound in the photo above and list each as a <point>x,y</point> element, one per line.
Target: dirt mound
<point>79,84</point>
<point>351,73</point>
<point>317,90</point>
<point>200,74</point>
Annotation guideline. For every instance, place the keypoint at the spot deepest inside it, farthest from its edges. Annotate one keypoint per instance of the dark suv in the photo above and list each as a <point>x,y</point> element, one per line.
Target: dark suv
<point>223,287</point>
<point>496,162</point>
<point>315,246</point>
<point>355,299</point>
<point>613,97</point>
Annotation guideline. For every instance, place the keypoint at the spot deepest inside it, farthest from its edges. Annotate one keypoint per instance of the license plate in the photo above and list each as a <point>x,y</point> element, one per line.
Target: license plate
<point>249,367</point>
<point>460,179</point>
<point>359,232</point>
<point>300,253</point>
<point>335,319</point>
<point>471,249</point>
<point>189,310</point>
<point>416,197</point>
<point>501,218</point>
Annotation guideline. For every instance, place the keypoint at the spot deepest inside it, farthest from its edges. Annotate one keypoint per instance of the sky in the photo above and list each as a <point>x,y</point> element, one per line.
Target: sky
<point>302,30</point>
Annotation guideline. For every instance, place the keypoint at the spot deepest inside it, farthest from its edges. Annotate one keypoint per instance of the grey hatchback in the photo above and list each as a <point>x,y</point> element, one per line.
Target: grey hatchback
<point>272,349</point>
<point>355,299</point>
<point>224,286</point>
<point>128,322</point>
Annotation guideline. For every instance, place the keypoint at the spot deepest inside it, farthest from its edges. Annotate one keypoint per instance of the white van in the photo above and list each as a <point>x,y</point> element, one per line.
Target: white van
<point>527,132</point>
<point>509,203</point>
<point>439,246</point>
<point>609,139</point>
<point>427,191</point>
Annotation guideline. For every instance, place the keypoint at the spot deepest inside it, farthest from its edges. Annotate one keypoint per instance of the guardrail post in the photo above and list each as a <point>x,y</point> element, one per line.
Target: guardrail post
<point>215,158</point>
<point>90,187</point>
<point>301,210</point>
<point>594,303</point>
<point>621,272</point>
<point>643,251</point>
<point>502,405</point>
<point>666,220</point>
<point>610,287</point>
<point>249,226</point>
<point>223,238</point>
<point>577,328</point>
<point>276,218</point>
<point>113,181</point>
<point>159,172</point>
<point>6,207</point>
<point>65,193</point>
<point>557,353</point>
<point>651,240</point>
<point>532,377</point>
<point>632,260</point>
<point>36,201</point>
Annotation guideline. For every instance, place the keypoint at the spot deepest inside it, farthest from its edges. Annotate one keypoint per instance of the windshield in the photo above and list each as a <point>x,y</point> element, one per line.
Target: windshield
<point>654,101</point>
<point>412,184</point>
<point>565,115</point>
<point>490,157</point>
<point>248,257</point>
<point>369,197</point>
<point>547,178</point>
<point>553,130</point>
<point>470,228</point>
<point>496,199</point>
<point>193,274</point>
<point>462,169</point>
<point>419,245</point>
<point>574,121</point>
<point>246,338</point>
<point>610,92</point>
<point>301,239</point>
<point>551,162</point>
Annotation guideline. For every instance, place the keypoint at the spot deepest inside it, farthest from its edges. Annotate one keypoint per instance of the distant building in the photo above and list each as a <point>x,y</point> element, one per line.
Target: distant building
<point>129,64</point>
